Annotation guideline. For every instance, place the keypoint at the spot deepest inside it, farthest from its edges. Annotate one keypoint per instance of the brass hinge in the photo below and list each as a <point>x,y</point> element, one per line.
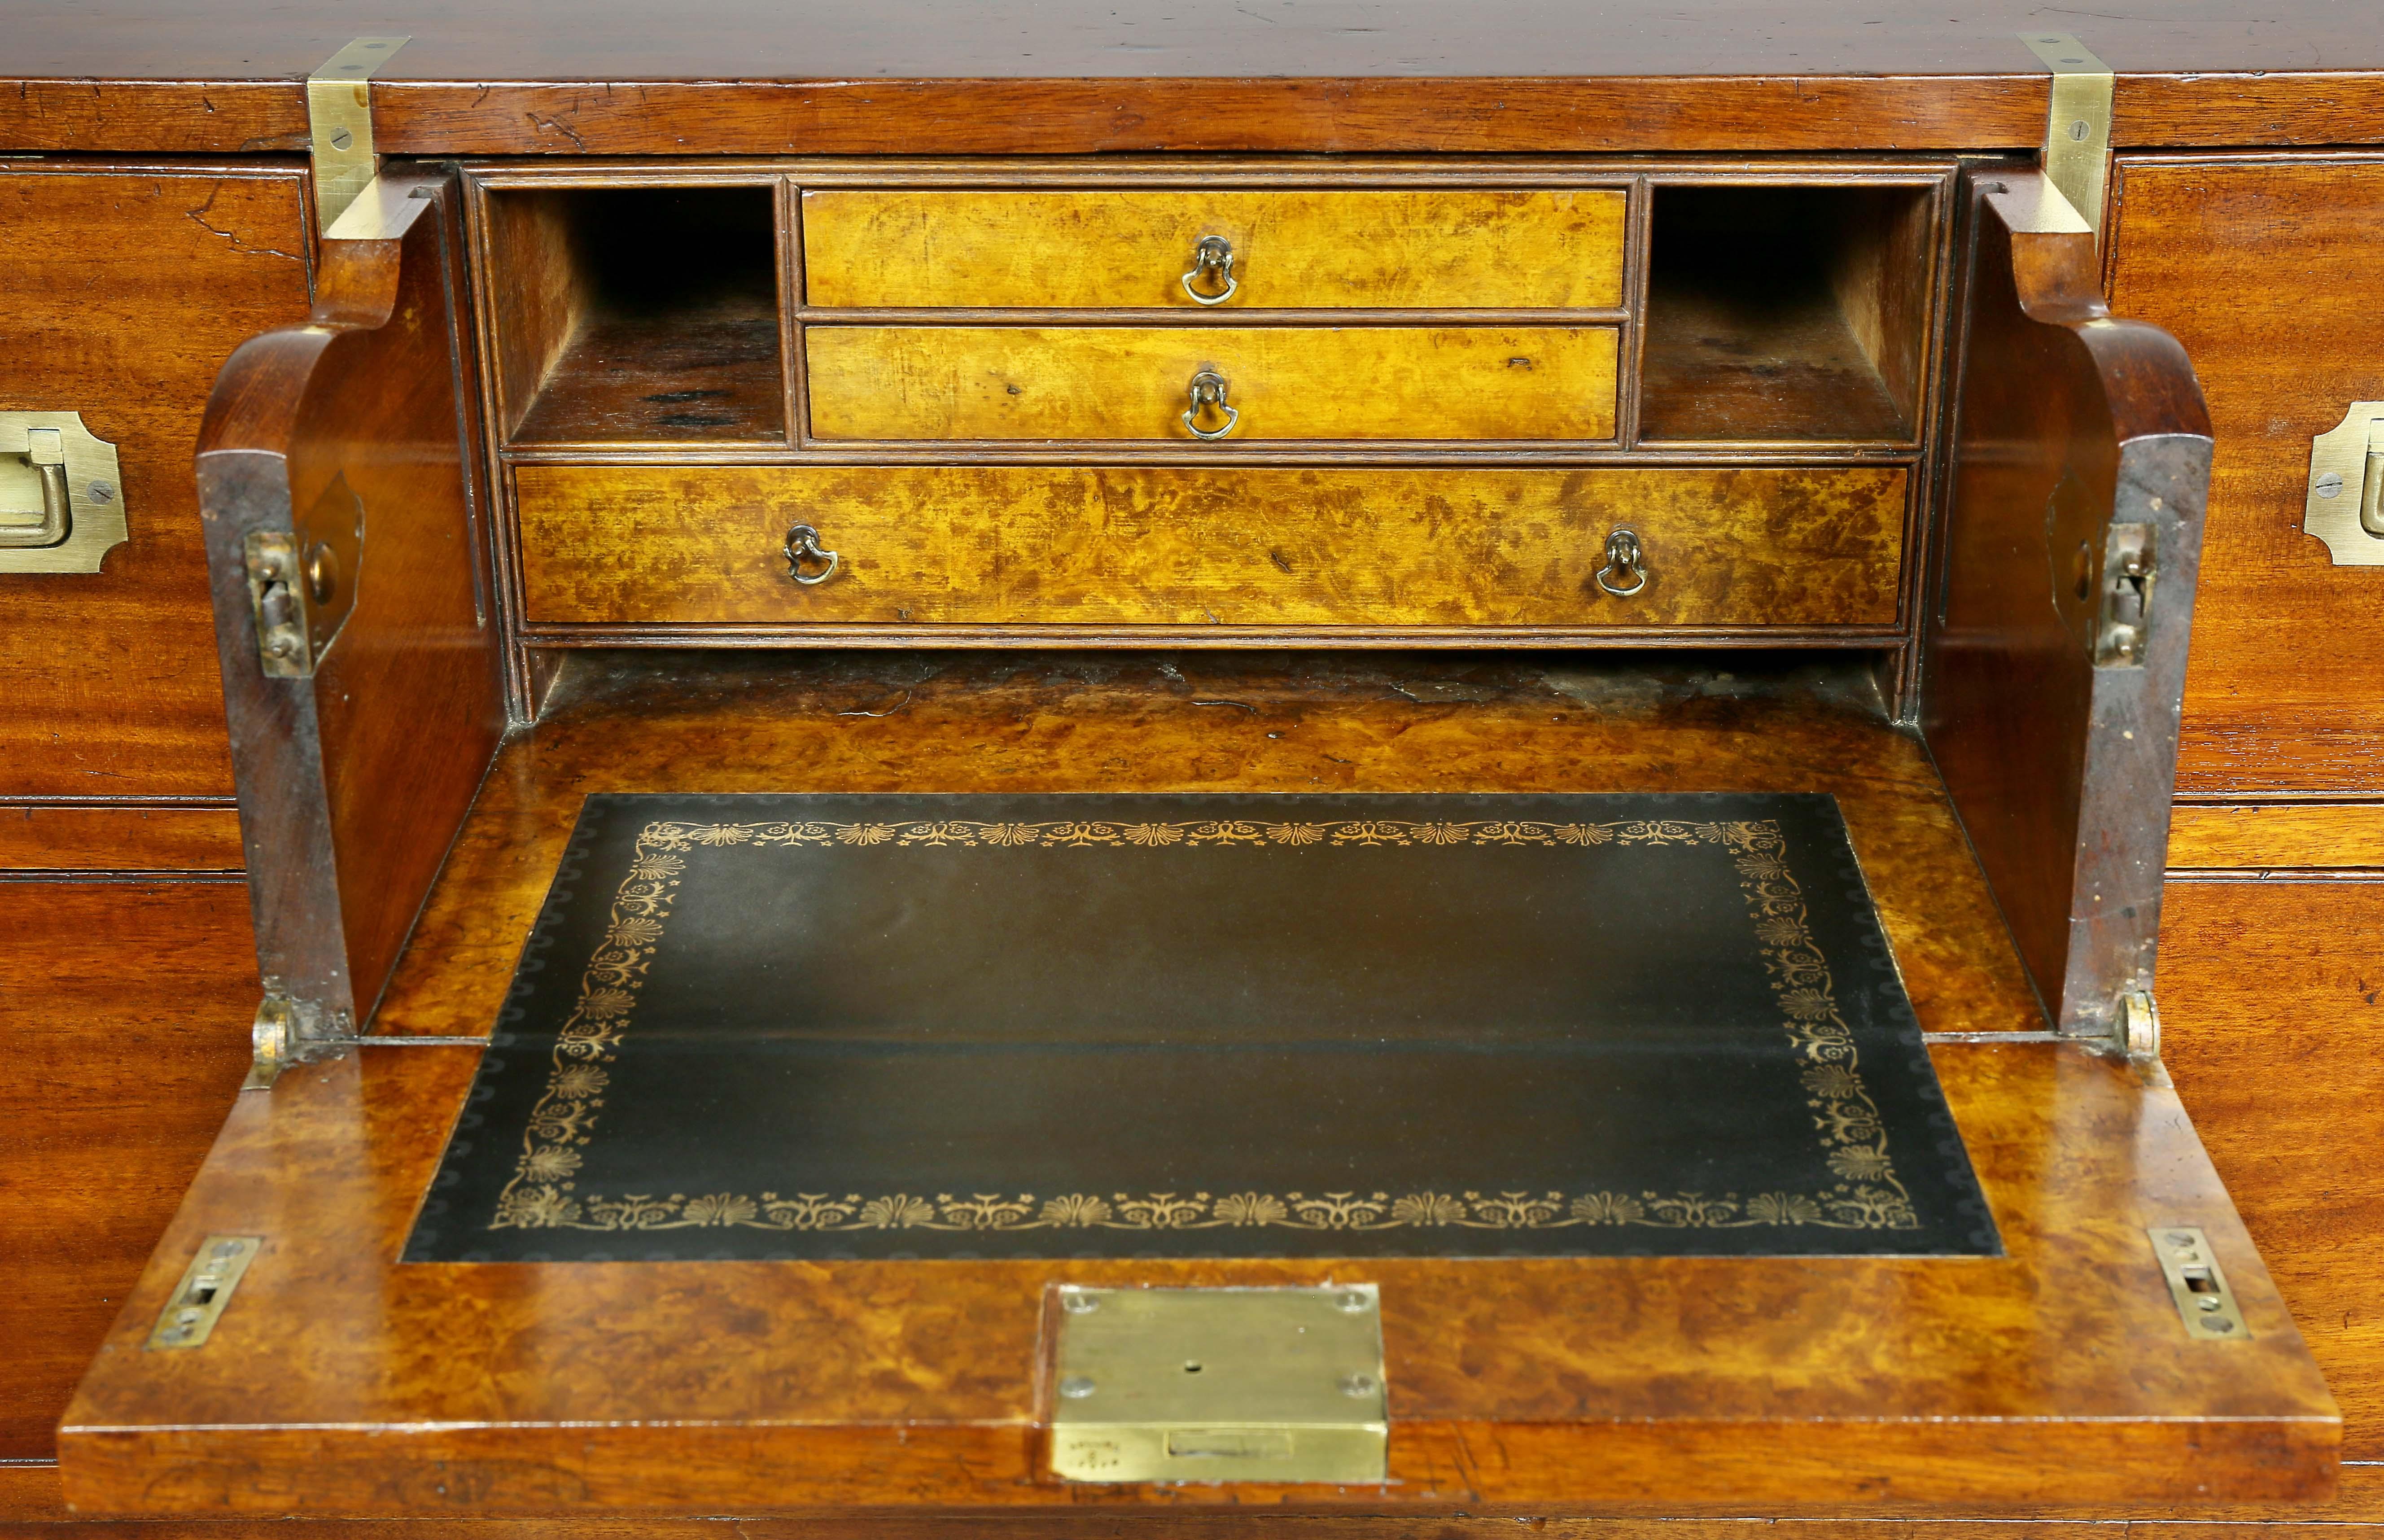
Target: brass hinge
<point>288,1031</point>
<point>2078,122</point>
<point>340,125</point>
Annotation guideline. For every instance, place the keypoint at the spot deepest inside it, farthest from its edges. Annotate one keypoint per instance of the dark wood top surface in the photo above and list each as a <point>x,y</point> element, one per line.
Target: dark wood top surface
<point>836,40</point>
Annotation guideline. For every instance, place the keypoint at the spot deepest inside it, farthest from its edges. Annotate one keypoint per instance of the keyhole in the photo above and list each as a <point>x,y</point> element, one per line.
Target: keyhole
<point>2085,572</point>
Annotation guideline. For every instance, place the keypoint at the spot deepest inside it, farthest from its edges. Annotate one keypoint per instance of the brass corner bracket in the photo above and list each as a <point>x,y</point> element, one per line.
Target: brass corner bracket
<point>340,125</point>
<point>2078,122</point>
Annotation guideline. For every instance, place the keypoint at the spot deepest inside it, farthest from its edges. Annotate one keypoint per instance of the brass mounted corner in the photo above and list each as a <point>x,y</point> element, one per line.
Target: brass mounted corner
<point>2077,154</point>
<point>340,125</point>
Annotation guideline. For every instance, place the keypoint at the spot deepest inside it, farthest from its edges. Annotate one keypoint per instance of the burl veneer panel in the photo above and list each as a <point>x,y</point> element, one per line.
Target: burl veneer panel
<point>943,723</point>
<point>1128,546</point>
<point>2267,270</point>
<point>1286,382</point>
<point>126,292</point>
<point>124,1011</point>
<point>1454,249</point>
<point>2269,994</point>
<point>340,1382</point>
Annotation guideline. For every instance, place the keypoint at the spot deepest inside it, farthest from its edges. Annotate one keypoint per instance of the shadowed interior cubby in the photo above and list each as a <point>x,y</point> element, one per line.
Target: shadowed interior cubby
<point>1787,313</point>
<point>636,315</point>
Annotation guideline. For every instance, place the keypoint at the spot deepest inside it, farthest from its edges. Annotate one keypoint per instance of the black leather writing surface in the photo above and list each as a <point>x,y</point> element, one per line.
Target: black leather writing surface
<point>1205,1026</point>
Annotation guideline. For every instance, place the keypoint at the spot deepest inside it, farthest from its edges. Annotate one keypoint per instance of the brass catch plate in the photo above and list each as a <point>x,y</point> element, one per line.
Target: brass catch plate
<point>1216,1384</point>
<point>205,1289</point>
<point>2203,1300</point>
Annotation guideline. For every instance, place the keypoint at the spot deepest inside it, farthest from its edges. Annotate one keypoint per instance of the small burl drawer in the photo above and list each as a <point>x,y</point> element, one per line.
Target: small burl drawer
<point>1112,546</point>
<point>1212,382</point>
<point>1427,249</point>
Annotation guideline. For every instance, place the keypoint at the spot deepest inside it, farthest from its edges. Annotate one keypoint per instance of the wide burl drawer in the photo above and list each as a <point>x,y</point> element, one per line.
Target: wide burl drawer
<point>1718,546</point>
<point>1456,248</point>
<point>1212,382</point>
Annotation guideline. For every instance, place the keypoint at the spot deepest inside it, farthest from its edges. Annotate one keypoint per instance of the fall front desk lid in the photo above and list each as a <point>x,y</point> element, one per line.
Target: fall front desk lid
<point>1096,1026</point>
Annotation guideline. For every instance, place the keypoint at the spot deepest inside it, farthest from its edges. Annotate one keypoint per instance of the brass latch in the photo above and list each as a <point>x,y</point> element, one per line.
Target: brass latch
<point>1214,1384</point>
<point>302,582</point>
<point>2196,1285</point>
<point>61,504</point>
<point>205,1289</point>
<point>2345,507</point>
<point>2126,620</point>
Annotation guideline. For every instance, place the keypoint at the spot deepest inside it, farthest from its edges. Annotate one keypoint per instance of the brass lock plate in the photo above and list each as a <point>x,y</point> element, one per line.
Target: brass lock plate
<point>206,1287</point>
<point>1217,1384</point>
<point>2345,506</point>
<point>61,494</point>
<point>2199,1289</point>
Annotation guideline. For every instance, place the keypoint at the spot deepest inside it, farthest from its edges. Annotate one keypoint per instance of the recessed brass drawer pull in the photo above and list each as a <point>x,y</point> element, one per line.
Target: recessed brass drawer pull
<point>1209,390</point>
<point>802,546</point>
<point>1213,255</point>
<point>1624,558</point>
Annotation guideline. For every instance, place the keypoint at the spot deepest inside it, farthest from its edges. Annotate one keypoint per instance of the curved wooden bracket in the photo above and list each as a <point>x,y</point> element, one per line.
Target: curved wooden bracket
<point>338,459</point>
<point>2055,667</point>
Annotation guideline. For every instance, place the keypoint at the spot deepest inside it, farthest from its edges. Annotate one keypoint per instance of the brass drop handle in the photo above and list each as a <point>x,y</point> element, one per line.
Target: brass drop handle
<point>1209,390</point>
<point>803,546</point>
<point>1624,558</point>
<point>1213,255</point>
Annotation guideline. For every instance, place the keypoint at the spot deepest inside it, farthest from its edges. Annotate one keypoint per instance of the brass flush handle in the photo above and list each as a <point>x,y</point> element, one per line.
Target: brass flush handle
<point>1624,559</point>
<point>30,526</point>
<point>2345,506</point>
<point>61,501</point>
<point>1209,390</point>
<point>804,551</point>
<point>1213,256</point>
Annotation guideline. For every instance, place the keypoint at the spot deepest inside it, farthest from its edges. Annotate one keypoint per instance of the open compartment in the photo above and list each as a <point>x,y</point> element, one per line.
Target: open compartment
<point>636,315</point>
<point>1796,313</point>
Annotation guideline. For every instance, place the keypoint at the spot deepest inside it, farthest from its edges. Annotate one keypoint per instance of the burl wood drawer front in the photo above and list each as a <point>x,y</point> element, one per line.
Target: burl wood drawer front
<point>1424,249</point>
<point>1156,546</point>
<point>1272,382</point>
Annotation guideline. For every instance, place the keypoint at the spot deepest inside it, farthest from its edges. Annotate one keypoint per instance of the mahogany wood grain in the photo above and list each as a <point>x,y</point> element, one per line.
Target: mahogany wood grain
<point>1559,250</point>
<point>1279,723</point>
<point>1285,382</point>
<point>124,1011</point>
<point>2269,272</point>
<point>127,287</point>
<point>2315,836</point>
<point>2068,423</point>
<point>2270,1002</point>
<point>1121,547</point>
<point>352,781</point>
<point>51,838</point>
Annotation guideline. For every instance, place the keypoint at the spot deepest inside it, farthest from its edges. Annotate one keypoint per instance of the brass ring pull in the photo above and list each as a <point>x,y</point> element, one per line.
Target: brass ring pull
<point>1623,558</point>
<point>1209,390</point>
<point>1213,255</point>
<point>803,545</point>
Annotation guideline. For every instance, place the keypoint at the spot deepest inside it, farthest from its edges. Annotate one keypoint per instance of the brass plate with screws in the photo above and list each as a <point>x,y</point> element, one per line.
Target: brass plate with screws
<point>1217,1384</point>
<point>2203,1300</point>
<point>199,1299</point>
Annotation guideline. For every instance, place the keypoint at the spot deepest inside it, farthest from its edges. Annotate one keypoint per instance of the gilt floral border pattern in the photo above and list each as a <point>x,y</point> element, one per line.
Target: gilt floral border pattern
<point>542,1192</point>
